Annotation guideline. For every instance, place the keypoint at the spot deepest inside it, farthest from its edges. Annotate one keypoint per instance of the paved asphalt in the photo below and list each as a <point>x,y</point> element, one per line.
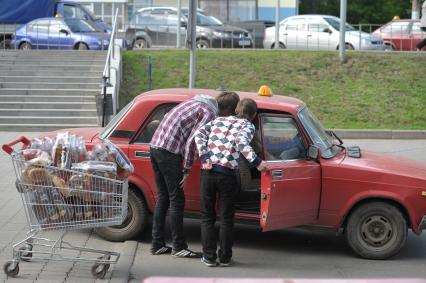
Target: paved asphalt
<point>290,253</point>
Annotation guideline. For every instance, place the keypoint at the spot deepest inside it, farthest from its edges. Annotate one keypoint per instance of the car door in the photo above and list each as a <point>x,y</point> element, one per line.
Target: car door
<point>159,31</point>
<point>319,35</point>
<point>58,38</point>
<point>172,28</point>
<point>38,34</point>
<point>398,35</point>
<point>139,155</point>
<point>290,188</point>
<point>294,34</point>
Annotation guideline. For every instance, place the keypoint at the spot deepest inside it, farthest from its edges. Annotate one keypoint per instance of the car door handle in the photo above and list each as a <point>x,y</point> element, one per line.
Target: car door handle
<point>142,154</point>
<point>277,175</point>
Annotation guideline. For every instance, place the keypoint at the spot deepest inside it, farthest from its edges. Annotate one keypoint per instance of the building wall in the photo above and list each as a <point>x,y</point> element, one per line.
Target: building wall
<point>266,9</point>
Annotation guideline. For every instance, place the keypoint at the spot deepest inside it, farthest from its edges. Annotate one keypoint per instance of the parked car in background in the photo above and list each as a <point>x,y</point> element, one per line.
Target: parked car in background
<point>16,13</point>
<point>157,26</point>
<point>319,32</point>
<point>60,33</point>
<point>256,29</point>
<point>401,34</point>
<point>313,177</point>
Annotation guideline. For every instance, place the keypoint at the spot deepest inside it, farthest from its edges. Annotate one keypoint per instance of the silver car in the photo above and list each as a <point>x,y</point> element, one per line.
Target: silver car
<point>319,32</point>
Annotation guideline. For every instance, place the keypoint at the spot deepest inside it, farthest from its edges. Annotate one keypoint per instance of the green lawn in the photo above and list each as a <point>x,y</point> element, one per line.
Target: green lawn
<point>384,90</point>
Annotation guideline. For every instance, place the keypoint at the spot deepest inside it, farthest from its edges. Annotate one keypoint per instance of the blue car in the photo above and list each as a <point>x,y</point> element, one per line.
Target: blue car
<point>60,33</point>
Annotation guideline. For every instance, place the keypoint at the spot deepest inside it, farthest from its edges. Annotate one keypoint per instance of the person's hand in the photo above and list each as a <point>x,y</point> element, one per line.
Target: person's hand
<point>263,166</point>
<point>183,181</point>
<point>207,165</point>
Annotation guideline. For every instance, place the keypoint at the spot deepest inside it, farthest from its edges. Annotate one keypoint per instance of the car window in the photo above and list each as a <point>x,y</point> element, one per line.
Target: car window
<point>396,27</point>
<point>416,28</point>
<point>77,25</point>
<point>73,12</point>
<point>296,24</point>
<point>172,19</point>
<point>153,122</point>
<point>56,26</point>
<point>282,139</point>
<point>40,26</point>
<point>316,25</point>
<point>158,18</point>
<point>142,19</point>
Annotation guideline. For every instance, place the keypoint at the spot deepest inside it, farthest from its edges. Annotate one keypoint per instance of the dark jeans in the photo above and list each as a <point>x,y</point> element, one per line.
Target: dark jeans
<point>422,43</point>
<point>168,173</point>
<point>226,187</point>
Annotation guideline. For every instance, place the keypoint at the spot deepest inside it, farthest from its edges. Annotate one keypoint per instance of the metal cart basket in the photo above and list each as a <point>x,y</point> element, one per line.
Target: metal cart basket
<point>62,199</point>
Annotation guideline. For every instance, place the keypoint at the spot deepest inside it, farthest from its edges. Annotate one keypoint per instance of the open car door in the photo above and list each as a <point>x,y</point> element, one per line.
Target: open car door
<point>291,188</point>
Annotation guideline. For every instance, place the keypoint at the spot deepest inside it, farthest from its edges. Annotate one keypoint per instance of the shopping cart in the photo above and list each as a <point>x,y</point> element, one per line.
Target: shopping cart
<point>84,201</point>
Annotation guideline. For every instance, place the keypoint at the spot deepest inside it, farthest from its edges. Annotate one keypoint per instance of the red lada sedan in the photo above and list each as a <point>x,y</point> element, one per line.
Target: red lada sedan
<point>402,35</point>
<point>314,179</point>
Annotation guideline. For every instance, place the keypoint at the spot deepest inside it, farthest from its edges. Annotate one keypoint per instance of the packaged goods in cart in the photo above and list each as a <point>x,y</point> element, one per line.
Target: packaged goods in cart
<point>124,166</point>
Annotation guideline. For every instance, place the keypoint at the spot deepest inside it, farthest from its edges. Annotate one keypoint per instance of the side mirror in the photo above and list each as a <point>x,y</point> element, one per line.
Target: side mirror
<point>64,31</point>
<point>313,152</point>
<point>327,30</point>
<point>183,24</point>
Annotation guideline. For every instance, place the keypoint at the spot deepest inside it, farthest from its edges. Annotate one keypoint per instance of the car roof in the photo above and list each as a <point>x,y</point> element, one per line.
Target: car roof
<point>275,102</point>
<point>155,8</point>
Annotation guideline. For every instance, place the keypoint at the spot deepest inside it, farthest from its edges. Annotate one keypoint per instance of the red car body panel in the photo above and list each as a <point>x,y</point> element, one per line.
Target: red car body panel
<point>311,193</point>
<point>402,35</point>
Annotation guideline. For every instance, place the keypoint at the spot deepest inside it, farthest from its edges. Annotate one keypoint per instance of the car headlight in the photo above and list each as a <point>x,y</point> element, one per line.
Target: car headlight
<point>218,34</point>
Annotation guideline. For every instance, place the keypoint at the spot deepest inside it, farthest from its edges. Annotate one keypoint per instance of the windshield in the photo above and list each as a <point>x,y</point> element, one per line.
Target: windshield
<point>117,118</point>
<point>203,20</point>
<point>317,133</point>
<point>335,23</point>
<point>77,25</point>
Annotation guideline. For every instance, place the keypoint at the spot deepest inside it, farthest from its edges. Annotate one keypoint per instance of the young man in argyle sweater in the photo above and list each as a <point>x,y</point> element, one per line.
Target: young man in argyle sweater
<point>219,144</point>
<point>172,154</point>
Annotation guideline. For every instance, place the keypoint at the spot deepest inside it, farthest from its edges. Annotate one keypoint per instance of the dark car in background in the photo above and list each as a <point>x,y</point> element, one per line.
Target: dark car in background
<point>157,26</point>
<point>401,34</point>
<point>60,33</point>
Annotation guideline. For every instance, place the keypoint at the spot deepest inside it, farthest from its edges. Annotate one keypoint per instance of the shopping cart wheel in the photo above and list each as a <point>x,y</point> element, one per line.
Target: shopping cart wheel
<point>10,272</point>
<point>25,252</point>
<point>99,270</point>
<point>105,257</point>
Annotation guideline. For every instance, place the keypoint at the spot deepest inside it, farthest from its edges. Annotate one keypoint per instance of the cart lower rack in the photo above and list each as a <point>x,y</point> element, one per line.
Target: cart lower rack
<point>62,199</point>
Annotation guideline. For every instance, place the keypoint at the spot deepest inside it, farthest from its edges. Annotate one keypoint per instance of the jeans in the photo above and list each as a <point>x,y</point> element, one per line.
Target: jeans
<point>168,173</point>
<point>226,187</point>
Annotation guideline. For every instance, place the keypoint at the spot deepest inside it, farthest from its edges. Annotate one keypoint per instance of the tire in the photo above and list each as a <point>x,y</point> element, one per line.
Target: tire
<point>25,46</point>
<point>281,46</point>
<point>133,225</point>
<point>82,46</point>
<point>348,46</point>
<point>376,230</point>
<point>202,44</point>
<point>140,44</point>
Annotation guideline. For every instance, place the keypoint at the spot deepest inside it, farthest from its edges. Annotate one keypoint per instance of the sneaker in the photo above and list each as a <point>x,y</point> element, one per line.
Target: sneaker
<point>208,262</point>
<point>225,263</point>
<point>161,251</point>
<point>186,253</point>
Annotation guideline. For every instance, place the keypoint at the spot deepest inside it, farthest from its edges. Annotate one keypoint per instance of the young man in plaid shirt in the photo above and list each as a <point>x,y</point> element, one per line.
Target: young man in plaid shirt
<point>219,144</point>
<point>172,155</point>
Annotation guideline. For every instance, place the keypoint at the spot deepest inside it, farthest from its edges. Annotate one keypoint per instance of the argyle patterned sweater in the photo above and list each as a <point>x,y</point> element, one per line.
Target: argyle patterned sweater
<point>221,141</point>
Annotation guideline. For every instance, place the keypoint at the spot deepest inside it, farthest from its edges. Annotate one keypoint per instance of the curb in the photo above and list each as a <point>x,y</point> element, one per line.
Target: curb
<point>121,272</point>
<point>380,134</point>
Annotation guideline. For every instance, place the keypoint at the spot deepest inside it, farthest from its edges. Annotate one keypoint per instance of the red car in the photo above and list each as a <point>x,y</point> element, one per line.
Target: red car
<point>401,34</point>
<point>313,179</point>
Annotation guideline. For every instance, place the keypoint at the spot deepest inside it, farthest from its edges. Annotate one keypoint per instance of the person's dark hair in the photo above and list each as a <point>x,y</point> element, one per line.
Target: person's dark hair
<point>246,108</point>
<point>227,102</point>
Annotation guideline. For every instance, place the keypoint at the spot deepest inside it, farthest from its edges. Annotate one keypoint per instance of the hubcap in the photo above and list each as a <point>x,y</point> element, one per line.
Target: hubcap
<point>201,45</point>
<point>139,45</point>
<point>376,231</point>
<point>126,221</point>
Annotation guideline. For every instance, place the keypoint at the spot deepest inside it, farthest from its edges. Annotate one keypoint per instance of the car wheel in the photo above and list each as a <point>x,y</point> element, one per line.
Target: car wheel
<point>139,44</point>
<point>280,46</point>
<point>82,46</point>
<point>201,43</point>
<point>134,224</point>
<point>376,230</point>
<point>349,46</point>
<point>25,46</point>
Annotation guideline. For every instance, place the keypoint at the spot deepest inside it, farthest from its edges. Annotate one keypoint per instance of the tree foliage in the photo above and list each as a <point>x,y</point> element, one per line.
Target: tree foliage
<point>360,11</point>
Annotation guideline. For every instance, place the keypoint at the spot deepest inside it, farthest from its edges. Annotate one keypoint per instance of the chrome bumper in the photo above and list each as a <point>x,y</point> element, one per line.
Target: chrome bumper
<point>422,225</point>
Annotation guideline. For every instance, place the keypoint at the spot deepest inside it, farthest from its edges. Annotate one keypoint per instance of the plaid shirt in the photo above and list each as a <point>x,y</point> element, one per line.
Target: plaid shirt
<point>223,139</point>
<point>176,131</point>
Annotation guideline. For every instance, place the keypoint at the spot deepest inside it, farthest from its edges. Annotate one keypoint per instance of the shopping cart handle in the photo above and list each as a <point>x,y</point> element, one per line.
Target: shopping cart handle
<point>8,148</point>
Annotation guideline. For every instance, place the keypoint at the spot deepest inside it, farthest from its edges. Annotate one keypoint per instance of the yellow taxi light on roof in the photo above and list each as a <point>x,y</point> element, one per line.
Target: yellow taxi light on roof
<point>264,91</point>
